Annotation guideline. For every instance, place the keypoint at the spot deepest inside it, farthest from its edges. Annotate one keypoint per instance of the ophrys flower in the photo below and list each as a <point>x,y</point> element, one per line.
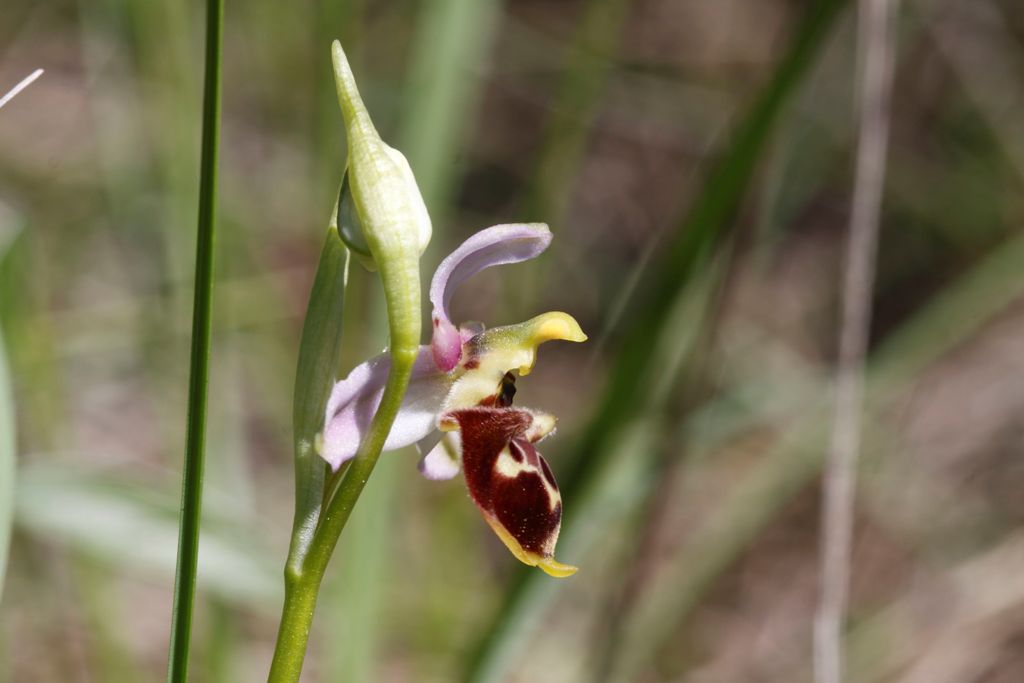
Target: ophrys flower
<point>462,389</point>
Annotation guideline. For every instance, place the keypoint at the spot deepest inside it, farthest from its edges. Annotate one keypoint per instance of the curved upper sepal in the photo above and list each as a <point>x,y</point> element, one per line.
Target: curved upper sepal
<point>495,246</point>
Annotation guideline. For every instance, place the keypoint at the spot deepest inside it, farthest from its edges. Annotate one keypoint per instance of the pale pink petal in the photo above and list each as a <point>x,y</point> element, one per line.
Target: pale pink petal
<point>441,459</point>
<point>354,401</point>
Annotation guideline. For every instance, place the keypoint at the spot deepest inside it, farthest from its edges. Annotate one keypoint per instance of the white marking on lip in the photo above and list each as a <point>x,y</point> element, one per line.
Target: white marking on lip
<point>508,467</point>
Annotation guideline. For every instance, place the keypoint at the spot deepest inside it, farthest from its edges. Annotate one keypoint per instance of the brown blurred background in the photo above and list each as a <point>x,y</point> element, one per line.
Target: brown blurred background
<point>694,160</point>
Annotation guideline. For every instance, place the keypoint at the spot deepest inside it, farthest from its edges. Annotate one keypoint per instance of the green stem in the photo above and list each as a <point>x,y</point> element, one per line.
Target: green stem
<point>300,594</point>
<point>302,582</point>
<point>340,508</point>
<point>192,479</point>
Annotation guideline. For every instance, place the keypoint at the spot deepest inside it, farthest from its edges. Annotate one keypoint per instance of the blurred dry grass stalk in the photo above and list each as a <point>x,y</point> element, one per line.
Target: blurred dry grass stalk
<point>97,163</point>
<point>21,85</point>
<point>876,49</point>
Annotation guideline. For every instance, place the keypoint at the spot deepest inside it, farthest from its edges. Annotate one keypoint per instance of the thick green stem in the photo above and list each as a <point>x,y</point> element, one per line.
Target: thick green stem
<point>333,521</point>
<point>303,583</point>
<point>300,595</point>
<point>396,227</point>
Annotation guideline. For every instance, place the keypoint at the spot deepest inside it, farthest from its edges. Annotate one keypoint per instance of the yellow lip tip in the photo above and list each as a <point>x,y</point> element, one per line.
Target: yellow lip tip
<point>558,325</point>
<point>553,567</point>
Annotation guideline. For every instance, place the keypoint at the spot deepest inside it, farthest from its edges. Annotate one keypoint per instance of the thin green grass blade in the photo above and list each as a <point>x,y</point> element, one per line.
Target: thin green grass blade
<point>7,446</point>
<point>8,443</point>
<point>708,222</point>
<point>317,370</point>
<point>192,478</point>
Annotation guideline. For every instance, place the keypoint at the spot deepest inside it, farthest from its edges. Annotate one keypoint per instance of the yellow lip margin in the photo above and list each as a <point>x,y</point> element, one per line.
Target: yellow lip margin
<point>549,565</point>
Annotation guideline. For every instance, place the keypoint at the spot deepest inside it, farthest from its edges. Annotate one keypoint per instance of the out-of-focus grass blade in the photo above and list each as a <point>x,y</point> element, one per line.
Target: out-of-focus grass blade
<point>683,356</point>
<point>218,654</point>
<point>565,135</point>
<point>317,369</point>
<point>947,320</point>
<point>588,62</point>
<point>127,525</point>
<point>450,46</point>
<point>709,220</point>
<point>707,223</point>
<point>7,440</point>
<point>363,578</point>
<point>96,587</point>
<point>950,317</point>
<point>221,645</point>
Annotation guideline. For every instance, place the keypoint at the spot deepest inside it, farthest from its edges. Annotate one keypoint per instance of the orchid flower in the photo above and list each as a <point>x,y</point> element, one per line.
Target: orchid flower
<point>458,407</point>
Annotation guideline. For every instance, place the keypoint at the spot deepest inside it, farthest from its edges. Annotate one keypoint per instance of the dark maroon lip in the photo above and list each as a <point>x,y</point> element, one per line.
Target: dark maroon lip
<point>526,504</point>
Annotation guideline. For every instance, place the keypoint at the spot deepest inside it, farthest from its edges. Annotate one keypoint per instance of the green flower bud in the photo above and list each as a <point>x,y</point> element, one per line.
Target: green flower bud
<point>380,211</point>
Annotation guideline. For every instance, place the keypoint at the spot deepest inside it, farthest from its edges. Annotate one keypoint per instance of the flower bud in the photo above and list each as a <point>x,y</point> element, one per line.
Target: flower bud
<point>380,212</point>
<point>392,220</point>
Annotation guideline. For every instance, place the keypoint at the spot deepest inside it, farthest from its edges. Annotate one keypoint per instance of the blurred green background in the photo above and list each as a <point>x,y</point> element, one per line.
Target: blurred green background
<point>693,159</point>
